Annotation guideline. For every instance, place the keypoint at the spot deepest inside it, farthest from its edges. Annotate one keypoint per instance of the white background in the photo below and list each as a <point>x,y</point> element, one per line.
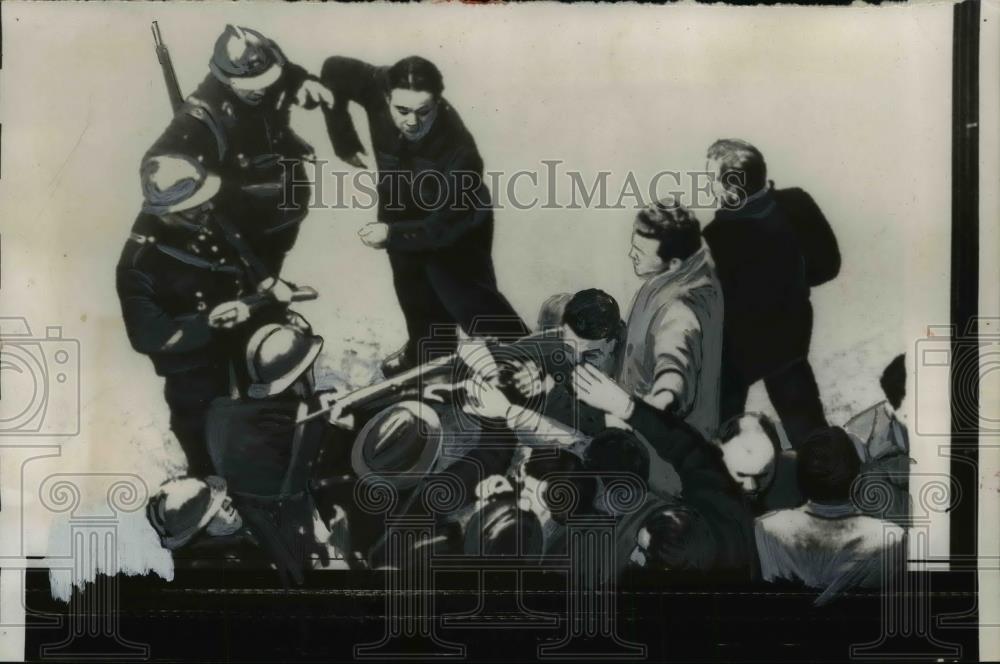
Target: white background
<point>852,104</point>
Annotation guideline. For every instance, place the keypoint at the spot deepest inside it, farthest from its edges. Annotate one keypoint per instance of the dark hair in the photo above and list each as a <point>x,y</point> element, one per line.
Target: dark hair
<point>569,468</point>
<point>617,451</point>
<point>593,314</point>
<point>732,428</point>
<point>827,466</point>
<point>679,539</point>
<point>893,381</point>
<point>743,170</point>
<point>675,226</point>
<point>416,73</point>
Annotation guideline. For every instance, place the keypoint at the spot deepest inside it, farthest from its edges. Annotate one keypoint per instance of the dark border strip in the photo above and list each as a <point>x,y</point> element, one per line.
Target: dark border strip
<point>965,278</point>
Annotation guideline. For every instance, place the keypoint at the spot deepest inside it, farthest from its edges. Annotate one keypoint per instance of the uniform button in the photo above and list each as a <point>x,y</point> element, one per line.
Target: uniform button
<point>215,248</point>
<point>222,261</point>
<point>237,235</point>
<point>201,158</point>
<point>202,306</point>
<point>150,238</point>
<point>201,237</point>
<point>199,294</point>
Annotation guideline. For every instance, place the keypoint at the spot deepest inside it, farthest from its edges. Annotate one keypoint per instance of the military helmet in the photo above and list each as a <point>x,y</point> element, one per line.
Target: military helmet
<point>400,444</point>
<point>277,355</point>
<point>174,183</point>
<point>246,59</point>
<point>183,507</point>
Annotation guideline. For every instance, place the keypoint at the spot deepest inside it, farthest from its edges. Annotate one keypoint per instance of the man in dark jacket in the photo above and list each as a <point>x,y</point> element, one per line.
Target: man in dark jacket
<point>175,270</point>
<point>769,247</point>
<point>706,486</point>
<point>435,218</point>
<point>237,124</point>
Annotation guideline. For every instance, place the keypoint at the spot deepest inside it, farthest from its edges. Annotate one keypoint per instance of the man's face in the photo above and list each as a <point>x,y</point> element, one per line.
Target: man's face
<point>750,459</point>
<point>413,112</point>
<point>197,216</point>
<point>226,521</point>
<point>250,94</point>
<point>714,167</point>
<point>645,260</point>
<point>597,352</point>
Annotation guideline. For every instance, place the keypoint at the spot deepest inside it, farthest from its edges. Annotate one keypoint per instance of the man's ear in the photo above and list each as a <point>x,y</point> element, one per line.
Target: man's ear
<point>674,264</point>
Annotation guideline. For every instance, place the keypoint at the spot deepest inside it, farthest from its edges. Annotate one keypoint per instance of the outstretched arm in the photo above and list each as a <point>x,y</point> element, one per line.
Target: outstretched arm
<point>349,80</point>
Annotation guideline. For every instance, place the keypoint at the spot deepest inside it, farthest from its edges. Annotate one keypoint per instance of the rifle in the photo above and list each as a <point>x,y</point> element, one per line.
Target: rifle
<point>397,384</point>
<point>219,315</point>
<point>169,75</point>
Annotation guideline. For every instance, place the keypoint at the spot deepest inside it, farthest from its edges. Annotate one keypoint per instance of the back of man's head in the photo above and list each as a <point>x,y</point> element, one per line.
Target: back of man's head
<point>741,167</point>
<point>893,381</point>
<point>592,314</point>
<point>827,466</point>
<point>675,226</point>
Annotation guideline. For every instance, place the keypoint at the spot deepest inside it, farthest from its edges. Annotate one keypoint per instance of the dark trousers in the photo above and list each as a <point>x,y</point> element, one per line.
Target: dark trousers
<point>793,393</point>
<point>189,396</point>
<point>453,286</point>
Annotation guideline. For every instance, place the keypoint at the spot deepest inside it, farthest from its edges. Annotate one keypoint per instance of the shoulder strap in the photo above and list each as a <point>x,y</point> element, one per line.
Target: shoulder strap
<point>201,111</point>
<point>258,271</point>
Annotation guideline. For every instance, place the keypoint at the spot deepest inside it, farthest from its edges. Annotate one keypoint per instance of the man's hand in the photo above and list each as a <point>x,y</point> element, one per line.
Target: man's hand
<point>279,289</point>
<point>484,399</point>
<point>312,94</point>
<point>528,379</point>
<point>595,389</point>
<point>228,315</point>
<point>335,414</point>
<point>374,235</point>
<point>355,161</point>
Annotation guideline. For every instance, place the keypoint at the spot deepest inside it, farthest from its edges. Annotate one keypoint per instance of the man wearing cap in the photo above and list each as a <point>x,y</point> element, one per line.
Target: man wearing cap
<point>237,124</point>
<point>176,269</point>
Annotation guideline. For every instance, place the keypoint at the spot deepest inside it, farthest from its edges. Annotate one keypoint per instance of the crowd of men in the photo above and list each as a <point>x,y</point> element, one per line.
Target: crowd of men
<point>512,419</point>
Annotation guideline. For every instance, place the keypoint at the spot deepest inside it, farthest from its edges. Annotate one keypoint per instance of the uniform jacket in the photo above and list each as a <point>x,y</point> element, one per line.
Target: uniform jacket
<point>428,212</point>
<point>267,463</point>
<point>168,280</point>
<point>762,270</point>
<point>245,145</point>
<point>673,341</point>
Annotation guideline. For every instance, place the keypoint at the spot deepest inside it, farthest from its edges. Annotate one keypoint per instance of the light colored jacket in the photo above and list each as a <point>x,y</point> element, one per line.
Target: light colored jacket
<point>673,341</point>
<point>821,544</point>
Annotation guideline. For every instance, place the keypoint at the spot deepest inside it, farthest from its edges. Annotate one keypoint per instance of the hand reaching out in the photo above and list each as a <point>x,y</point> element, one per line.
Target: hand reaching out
<point>598,390</point>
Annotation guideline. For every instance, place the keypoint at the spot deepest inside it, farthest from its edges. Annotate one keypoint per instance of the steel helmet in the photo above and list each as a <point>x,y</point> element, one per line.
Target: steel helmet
<point>277,355</point>
<point>246,59</point>
<point>174,183</point>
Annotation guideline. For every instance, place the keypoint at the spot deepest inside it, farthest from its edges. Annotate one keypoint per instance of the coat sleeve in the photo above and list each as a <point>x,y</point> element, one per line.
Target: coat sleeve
<point>151,330</point>
<point>705,484</point>
<point>676,340</point>
<point>815,235</point>
<point>188,136</point>
<point>349,80</point>
<point>465,205</point>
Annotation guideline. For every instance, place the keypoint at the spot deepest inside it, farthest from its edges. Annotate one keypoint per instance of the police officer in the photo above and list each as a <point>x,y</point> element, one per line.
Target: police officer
<point>180,281</point>
<point>237,124</point>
